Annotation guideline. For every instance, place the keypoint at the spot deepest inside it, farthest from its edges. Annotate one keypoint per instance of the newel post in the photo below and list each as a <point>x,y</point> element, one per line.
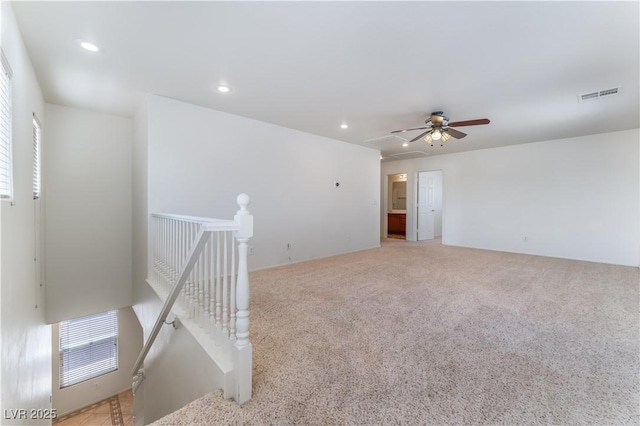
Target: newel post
<point>245,220</point>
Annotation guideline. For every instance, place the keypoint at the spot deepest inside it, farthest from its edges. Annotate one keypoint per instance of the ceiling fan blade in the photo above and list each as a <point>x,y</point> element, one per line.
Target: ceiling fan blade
<point>408,130</point>
<point>456,133</point>
<point>421,135</point>
<point>470,122</point>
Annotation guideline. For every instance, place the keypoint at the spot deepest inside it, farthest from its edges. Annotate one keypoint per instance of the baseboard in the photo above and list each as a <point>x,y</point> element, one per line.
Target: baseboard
<point>293,262</point>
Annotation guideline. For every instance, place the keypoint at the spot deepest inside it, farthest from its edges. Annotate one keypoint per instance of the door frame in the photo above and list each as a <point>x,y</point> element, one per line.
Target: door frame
<point>385,204</point>
<point>416,179</point>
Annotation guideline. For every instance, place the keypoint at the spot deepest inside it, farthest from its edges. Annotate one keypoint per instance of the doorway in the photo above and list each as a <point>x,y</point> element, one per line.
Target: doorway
<point>397,206</point>
<point>429,205</point>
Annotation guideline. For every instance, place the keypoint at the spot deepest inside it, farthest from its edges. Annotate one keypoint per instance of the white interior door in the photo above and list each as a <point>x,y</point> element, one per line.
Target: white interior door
<point>426,206</point>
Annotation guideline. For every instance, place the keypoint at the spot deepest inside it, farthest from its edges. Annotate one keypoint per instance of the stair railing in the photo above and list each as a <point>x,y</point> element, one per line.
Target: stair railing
<point>201,266</point>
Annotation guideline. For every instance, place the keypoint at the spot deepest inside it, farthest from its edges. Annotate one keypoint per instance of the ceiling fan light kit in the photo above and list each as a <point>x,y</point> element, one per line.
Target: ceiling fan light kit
<point>439,128</point>
<point>435,136</point>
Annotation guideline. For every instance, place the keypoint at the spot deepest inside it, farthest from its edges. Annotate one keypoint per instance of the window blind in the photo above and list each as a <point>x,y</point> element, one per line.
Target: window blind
<point>36,158</point>
<point>6,173</point>
<point>88,347</point>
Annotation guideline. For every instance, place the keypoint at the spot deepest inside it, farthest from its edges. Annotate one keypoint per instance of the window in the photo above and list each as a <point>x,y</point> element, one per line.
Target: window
<point>88,347</point>
<point>6,173</point>
<point>37,175</point>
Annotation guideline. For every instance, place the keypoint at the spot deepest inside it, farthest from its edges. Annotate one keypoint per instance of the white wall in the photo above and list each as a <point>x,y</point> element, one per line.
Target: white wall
<point>139,176</point>
<point>25,339</point>
<point>574,198</point>
<point>171,382</point>
<point>88,212</point>
<point>201,159</point>
<point>140,196</point>
<point>80,395</point>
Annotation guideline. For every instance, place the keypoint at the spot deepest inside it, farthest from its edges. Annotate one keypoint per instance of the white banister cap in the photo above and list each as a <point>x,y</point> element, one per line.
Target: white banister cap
<point>243,201</point>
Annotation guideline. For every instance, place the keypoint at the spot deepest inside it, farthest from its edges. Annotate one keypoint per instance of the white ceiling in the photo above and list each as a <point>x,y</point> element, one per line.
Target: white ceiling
<point>378,66</point>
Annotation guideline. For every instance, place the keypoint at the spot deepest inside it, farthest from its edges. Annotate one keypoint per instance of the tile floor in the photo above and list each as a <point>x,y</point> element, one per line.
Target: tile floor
<point>99,414</point>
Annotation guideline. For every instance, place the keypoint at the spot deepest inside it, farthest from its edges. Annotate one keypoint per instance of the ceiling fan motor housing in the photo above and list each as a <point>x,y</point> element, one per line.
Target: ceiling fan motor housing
<point>437,117</point>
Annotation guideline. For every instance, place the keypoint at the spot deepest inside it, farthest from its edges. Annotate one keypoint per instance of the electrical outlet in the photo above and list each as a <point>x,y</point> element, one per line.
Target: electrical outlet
<point>251,250</point>
<point>288,246</point>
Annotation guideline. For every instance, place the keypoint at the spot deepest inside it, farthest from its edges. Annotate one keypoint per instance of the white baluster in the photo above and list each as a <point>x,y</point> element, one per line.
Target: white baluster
<point>218,282</point>
<point>201,288</point>
<point>232,303</point>
<point>191,282</point>
<point>201,284</point>
<point>187,285</point>
<point>159,249</point>
<point>212,282</point>
<point>175,256</point>
<point>170,250</point>
<point>165,252</point>
<point>225,289</point>
<point>196,289</point>
<point>154,239</point>
<point>156,256</point>
<point>162,248</point>
<point>207,274</point>
<point>245,220</point>
<point>184,236</point>
<point>183,249</point>
<point>152,273</point>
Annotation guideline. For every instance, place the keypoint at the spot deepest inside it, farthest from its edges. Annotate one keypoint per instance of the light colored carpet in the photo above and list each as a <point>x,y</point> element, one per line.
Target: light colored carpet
<point>419,334</point>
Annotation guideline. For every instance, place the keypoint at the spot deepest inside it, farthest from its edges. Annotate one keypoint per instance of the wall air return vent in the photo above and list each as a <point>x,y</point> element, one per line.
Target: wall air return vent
<point>608,92</point>
<point>592,96</point>
<point>588,97</point>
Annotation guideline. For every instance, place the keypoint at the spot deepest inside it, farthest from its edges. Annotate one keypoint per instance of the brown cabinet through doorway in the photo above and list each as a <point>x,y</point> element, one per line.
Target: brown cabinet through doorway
<point>397,223</point>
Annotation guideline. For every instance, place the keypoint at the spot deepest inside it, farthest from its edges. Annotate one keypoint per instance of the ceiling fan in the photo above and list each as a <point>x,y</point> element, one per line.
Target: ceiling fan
<point>439,128</point>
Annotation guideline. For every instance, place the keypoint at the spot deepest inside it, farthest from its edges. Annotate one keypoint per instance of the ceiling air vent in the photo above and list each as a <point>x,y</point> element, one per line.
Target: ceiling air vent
<point>388,139</point>
<point>410,154</point>
<point>599,94</point>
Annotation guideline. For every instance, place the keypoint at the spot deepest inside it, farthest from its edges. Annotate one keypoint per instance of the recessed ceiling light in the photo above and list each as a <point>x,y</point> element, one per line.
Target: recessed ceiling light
<point>223,89</point>
<point>405,144</point>
<point>344,126</point>
<point>86,45</point>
